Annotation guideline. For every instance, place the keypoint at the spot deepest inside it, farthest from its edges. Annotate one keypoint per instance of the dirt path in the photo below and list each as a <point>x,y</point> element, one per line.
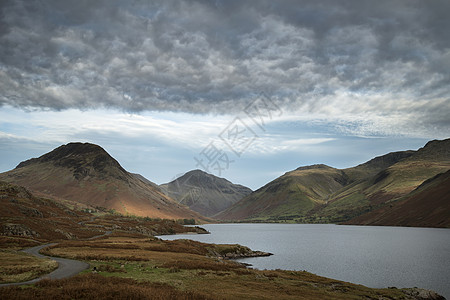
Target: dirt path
<point>66,267</point>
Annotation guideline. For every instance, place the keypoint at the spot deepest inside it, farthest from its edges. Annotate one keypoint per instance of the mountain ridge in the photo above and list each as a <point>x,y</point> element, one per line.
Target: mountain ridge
<point>323,194</point>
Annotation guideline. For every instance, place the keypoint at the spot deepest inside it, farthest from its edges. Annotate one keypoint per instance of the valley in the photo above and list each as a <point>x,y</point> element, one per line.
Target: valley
<point>89,209</point>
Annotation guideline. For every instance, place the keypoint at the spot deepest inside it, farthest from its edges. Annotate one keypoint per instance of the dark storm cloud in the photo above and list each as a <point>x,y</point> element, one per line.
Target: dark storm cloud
<point>215,56</point>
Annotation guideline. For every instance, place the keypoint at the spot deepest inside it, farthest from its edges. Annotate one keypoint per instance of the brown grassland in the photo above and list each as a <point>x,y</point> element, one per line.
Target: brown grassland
<point>93,286</point>
<point>131,263</point>
<point>18,266</point>
<point>136,267</point>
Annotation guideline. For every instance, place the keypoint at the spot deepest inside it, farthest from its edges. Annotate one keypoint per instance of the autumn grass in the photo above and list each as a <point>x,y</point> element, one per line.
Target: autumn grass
<point>18,266</point>
<point>98,287</point>
<point>131,266</point>
<point>138,248</point>
<point>241,283</point>
<point>189,267</point>
<point>17,243</point>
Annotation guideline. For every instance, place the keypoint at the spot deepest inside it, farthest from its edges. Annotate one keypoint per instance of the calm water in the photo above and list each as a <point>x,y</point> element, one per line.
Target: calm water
<point>372,256</point>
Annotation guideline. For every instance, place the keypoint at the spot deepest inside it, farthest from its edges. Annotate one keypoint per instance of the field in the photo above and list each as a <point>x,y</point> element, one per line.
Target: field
<point>17,266</point>
<point>133,266</point>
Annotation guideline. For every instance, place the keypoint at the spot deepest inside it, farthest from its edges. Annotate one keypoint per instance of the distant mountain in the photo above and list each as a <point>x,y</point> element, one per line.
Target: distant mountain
<point>321,194</point>
<point>291,195</point>
<point>205,193</point>
<point>86,173</point>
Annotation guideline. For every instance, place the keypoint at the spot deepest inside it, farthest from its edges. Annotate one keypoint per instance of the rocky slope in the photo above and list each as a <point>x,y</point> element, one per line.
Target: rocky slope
<point>25,217</point>
<point>205,193</point>
<point>87,174</point>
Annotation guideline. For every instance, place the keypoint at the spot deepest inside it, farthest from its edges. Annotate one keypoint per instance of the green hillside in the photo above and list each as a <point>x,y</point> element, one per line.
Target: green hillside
<point>322,194</point>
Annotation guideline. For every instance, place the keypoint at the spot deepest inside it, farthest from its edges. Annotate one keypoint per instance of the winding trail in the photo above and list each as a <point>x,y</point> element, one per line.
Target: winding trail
<point>66,267</point>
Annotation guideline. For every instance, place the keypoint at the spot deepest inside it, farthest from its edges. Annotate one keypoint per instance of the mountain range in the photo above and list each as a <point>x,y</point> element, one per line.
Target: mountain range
<point>381,191</point>
<point>406,188</point>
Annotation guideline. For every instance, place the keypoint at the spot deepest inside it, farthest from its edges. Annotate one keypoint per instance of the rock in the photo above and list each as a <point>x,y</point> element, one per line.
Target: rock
<point>200,230</point>
<point>31,212</point>
<point>421,294</point>
<point>142,230</point>
<point>242,252</point>
<point>68,235</point>
<point>18,229</point>
<point>71,213</point>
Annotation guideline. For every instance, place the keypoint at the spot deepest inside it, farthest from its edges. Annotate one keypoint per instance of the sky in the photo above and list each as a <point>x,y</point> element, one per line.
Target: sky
<point>245,90</point>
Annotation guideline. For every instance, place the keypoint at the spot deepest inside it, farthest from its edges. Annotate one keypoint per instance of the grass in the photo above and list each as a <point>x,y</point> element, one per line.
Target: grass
<point>18,266</point>
<point>241,283</point>
<point>135,248</point>
<point>188,268</point>
<point>345,208</point>
<point>17,243</point>
<point>95,287</point>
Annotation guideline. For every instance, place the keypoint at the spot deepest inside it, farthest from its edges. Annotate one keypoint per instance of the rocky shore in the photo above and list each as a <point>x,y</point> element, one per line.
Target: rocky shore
<point>237,255</point>
<point>235,252</point>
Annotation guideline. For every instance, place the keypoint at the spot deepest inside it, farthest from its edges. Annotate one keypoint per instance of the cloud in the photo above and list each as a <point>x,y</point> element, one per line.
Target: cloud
<point>179,130</point>
<point>381,60</point>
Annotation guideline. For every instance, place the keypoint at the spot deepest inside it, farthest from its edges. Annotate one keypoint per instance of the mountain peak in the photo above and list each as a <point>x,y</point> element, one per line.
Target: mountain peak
<point>198,172</point>
<point>434,143</point>
<point>384,161</point>
<point>196,177</point>
<point>436,149</point>
<point>83,158</point>
<point>75,149</point>
<point>204,192</point>
<point>86,173</point>
<point>317,166</point>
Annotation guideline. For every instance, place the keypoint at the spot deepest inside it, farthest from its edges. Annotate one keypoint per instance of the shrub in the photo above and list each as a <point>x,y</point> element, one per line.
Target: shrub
<point>96,287</point>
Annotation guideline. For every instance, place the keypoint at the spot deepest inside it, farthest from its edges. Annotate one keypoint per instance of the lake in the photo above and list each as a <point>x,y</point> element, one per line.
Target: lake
<point>374,256</point>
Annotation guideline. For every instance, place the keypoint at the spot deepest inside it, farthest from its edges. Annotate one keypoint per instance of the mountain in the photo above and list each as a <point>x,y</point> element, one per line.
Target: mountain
<point>427,206</point>
<point>289,196</point>
<point>376,165</point>
<point>30,219</point>
<point>205,193</point>
<point>321,194</point>
<point>26,215</point>
<point>87,174</point>
<point>145,180</point>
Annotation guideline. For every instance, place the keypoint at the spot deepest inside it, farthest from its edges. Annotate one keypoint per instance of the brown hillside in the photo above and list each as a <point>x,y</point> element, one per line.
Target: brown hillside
<point>427,206</point>
<point>26,220</point>
<point>86,173</point>
<point>30,217</point>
